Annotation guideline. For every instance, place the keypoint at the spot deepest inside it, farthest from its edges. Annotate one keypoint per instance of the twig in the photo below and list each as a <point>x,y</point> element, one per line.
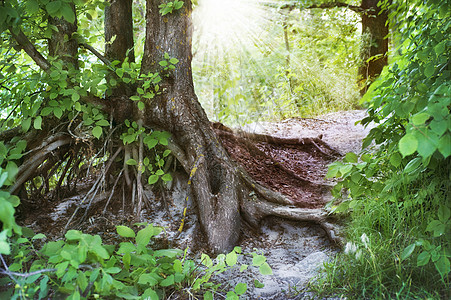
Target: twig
<point>112,191</point>
<point>138,177</point>
<point>25,275</point>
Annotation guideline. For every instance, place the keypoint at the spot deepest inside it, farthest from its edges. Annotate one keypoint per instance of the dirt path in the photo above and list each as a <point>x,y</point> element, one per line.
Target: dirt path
<point>295,251</point>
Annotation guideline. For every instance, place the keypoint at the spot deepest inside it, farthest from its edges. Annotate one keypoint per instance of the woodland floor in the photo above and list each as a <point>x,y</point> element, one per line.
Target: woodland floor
<point>294,250</point>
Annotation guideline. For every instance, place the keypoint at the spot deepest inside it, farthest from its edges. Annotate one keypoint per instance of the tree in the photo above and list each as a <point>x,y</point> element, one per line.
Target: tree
<point>126,108</point>
<point>374,36</point>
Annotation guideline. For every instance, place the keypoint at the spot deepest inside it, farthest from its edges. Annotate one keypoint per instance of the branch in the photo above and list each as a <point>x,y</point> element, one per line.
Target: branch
<point>355,8</point>
<point>96,53</point>
<point>30,49</point>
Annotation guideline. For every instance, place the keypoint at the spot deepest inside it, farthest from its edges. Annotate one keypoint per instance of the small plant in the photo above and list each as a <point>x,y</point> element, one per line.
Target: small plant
<point>82,266</point>
<point>168,63</point>
<point>169,7</point>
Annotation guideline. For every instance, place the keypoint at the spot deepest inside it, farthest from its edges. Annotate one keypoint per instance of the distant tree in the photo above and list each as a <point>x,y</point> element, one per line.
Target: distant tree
<point>374,36</point>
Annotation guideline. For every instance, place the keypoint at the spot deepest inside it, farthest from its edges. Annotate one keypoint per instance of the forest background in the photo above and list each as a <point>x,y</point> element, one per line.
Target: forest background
<point>397,199</point>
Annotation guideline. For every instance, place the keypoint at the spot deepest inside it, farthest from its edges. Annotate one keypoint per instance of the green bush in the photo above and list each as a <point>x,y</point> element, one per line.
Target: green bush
<point>82,266</point>
<point>396,192</point>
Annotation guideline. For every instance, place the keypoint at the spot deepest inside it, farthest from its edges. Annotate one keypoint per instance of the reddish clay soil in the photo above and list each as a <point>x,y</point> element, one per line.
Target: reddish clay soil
<point>296,171</point>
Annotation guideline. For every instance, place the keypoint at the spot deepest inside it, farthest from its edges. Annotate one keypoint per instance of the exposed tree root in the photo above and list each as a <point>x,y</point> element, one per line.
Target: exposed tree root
<point>207,179</point>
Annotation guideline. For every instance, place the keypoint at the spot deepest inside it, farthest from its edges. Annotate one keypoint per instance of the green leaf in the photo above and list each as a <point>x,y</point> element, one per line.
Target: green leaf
<point>125,231</point>
<point>68,13</point>
<point>351,157</point>
<point>73,235</point>
<point>153,179</point>
<point>174,60</point>
<point>103,122</point>
<point>150,142</point>
<point>3,178</point>
<point>429,70</point>
<point>135,98</point>
<point>166,177</point>
<point>168,281</point>
<point>423,258</point>
<point>99,250</point>
<point>178,4</point>
<point>163,63</point>
<point>131,162</point>
<point>144,235</point>
<point>141,105</point>
<point>208,295</point>
<point>258,284</point>
<point>4,247</point>
<point>178,267</point>
<point>444,145</point>
<point>258,260</point>
<point>149,279</point>
<point>112,270</point>
<point>265,269</point>
<point>58,112</point>
<point>443,213</point>
<point>240,288</point>
<point>26,123</point>
<point>232,296</point>
<point>53,7</point>
<point>443,266</point>
<point>46,111</point>
<point>39,236</point>
<point>231,259</point>
<point>150,295</point>
<point>75,97</point>
<point>32,6</point>
<point>420,118</point>
<point>440,48</point>
<point>120,72</point>
<point>407,251</point>
<point>395,159</point>
<point>37,122</point>
<point>97,131</point>
<point>412,165</point>
<point>408,144</point>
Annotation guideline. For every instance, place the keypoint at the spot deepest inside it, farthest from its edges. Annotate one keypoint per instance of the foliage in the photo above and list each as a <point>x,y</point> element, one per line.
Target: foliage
<point>169,7</point>
<point>256,78</point>
<point>82,266</point>
<point>397,190</point>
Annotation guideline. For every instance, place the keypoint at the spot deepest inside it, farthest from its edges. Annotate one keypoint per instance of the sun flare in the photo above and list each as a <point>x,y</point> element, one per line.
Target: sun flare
<point>223,25</point>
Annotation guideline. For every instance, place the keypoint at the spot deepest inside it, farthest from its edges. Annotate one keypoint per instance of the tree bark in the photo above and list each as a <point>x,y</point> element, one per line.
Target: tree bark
<point>119,38</point>
<point>375,48</point>
<point>62,44</point>
<point>215,182</point>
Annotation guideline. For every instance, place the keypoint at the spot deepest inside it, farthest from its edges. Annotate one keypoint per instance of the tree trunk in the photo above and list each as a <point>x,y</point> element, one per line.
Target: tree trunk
<point>119,38</point>
<point>375,48</point>
<point>224,193</point>
<point>214,179</point>
<point>66,50</point>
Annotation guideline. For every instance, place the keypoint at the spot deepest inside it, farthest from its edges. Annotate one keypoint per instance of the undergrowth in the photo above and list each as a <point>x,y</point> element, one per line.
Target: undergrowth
<point>81,266</point>
<point>396,194</point>
<point>395,248</point>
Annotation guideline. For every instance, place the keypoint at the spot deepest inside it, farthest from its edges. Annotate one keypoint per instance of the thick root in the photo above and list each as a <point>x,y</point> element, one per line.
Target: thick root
<point>255,210</point>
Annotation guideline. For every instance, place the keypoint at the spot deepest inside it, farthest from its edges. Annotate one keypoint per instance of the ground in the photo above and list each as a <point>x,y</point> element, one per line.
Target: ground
<point>294,250</point>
